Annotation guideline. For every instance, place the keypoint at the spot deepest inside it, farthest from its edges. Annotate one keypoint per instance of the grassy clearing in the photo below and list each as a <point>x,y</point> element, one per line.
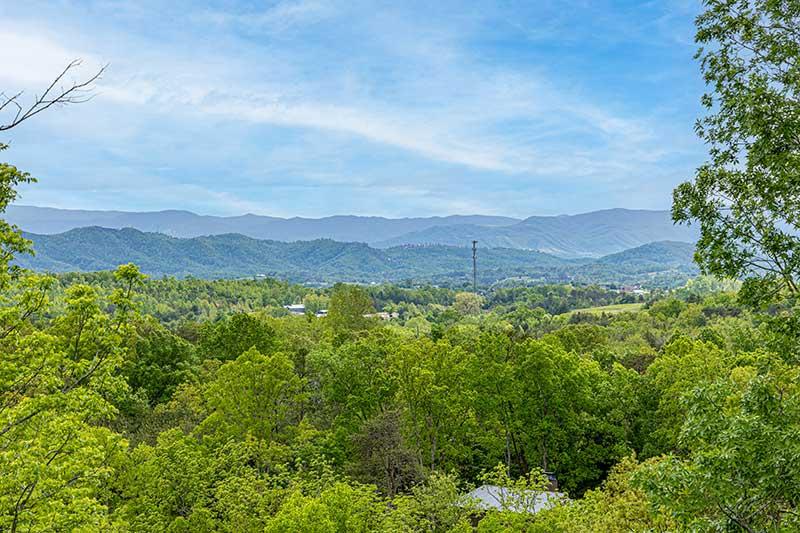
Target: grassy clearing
<point>609,309</point>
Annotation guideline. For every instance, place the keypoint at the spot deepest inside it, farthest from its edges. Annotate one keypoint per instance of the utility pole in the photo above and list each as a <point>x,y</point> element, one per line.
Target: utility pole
<point>475,266</point>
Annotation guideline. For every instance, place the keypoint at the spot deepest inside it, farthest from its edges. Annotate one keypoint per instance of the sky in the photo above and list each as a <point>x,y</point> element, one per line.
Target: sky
<point>323,107</point>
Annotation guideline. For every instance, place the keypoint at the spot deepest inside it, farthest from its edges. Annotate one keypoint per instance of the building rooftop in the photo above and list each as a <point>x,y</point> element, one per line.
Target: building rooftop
<point>489,497</point>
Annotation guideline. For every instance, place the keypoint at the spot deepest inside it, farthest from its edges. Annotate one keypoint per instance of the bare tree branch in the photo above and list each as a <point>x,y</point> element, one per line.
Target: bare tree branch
<point>56,94</point>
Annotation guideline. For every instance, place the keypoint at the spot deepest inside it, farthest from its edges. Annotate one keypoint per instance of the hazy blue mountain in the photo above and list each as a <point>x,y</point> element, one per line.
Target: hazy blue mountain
<point>664,253</point>
<point>46,220</point>
<point>325,260</point>
<point>660,263</point>
<point>592,234</point>
<point>586,235</point>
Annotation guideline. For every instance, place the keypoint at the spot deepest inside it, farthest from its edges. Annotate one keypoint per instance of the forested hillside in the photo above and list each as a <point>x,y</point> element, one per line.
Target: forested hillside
<point>326,261</point>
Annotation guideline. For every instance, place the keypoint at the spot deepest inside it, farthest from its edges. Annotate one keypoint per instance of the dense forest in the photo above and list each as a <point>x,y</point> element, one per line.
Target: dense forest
<point>186,405</point>
<point>189,405</point>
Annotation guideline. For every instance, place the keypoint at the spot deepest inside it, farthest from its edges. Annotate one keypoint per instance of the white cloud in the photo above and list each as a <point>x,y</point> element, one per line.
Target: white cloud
<point>411,85</point>
<point>454,131</point>
<point>31,60</point>
<point>280,17</point>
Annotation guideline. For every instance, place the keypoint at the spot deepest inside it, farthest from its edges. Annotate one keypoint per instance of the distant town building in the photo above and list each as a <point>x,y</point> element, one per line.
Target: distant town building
<point>635,289</point>
<point>300,309</point>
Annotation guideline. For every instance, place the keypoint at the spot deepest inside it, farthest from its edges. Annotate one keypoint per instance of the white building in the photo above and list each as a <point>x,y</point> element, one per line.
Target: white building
<point>300,309</point>
<point>296,309</point>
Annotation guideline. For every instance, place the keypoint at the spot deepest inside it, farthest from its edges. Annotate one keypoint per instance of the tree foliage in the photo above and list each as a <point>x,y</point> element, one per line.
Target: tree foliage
<point>746,198</point>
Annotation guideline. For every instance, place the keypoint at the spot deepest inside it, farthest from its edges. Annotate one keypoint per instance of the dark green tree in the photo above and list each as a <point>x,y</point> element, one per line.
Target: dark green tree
<point>160,361</point>
<point>231,337</point>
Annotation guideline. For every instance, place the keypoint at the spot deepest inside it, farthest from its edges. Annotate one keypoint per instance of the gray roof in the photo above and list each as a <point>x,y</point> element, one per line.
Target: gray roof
<point>488,497</point>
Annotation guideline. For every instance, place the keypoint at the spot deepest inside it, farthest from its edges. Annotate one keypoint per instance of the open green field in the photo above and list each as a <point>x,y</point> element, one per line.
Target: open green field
<point>609,309</point>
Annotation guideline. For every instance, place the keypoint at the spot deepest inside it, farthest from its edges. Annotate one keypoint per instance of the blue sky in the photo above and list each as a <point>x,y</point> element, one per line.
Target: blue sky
<point>321,107</point>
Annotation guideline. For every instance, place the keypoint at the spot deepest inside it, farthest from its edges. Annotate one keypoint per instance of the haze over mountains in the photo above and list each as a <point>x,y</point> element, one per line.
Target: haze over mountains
<point>326,261</point>
<point>592,234</point>
<point>177,223</point>
<point>588,235</point>
<point>610,246</point>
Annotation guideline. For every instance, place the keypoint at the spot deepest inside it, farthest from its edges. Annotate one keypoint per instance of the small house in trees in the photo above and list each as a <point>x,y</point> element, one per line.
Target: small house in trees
<point>493,497</point>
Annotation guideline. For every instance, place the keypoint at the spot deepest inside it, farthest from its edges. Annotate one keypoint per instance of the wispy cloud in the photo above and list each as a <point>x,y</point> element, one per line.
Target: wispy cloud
<point>461,132</point>
<point>279,17</point>
<point>457,104</point>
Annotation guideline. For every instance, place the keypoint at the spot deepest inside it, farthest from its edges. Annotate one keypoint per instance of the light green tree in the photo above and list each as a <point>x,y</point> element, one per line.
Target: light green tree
<point>468,303</point>
<point>684,365</point>
<point>256,396</point>
<point>741,467</point>
<point>339,508</point>
<point>565,414</point>
<point>314,302</point>
<point>619,506</point>
<point>57,384</point>
<point>433,392</point>
<point>356,378</point>
<point>232,336</point>
<point>437,505</point>
<point>58,388</point>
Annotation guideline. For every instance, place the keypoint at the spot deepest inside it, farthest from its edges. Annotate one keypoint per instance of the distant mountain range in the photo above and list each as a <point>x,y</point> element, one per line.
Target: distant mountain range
<point>592,234</point>
<point>326,261</point>
<point>345,228</point>
<point>588,235</point>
